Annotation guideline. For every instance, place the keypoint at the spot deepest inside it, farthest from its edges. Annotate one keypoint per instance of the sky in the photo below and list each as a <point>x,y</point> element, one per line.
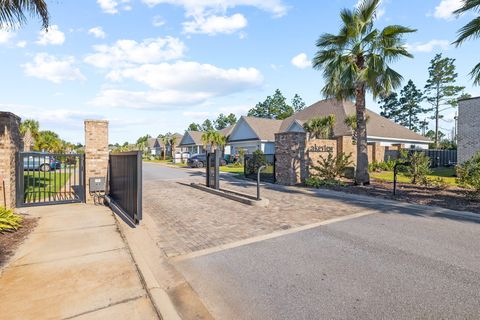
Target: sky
<point>155,66</point>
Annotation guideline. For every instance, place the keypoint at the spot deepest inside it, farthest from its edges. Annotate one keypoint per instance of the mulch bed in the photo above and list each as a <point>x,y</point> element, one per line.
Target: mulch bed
<point>451,198</point>
<point>9,241</point>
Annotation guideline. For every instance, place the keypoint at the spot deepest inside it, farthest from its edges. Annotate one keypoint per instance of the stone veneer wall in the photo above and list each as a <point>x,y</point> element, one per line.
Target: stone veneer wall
<point>96,152</point>
<point>468,135</point>
<point>10,144</point>
<point>290,166</point>
<point>295,154</point>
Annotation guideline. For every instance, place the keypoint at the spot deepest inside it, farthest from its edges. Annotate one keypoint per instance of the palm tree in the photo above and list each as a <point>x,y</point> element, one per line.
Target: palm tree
<point>351,122</point>
<point>165,141</point>
<point>33,125</point>
<point>172,141</point>
<point>470,31</point>
<point>320,127</point>
<point>356,61</point>
<point>12,12</point>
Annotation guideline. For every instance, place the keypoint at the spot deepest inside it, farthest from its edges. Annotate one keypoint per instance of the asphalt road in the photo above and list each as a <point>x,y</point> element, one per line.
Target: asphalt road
<point>155,171</point>
<point>398,265</point>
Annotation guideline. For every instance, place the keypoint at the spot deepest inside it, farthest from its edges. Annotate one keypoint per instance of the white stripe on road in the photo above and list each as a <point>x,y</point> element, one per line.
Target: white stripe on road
<point>272,235</point>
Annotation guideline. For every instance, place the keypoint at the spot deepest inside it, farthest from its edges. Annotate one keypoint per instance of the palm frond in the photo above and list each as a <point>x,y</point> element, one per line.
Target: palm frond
<point>395,30</point>
<point>469,31</point>
<point>475,73</point>
<point>12,12</point>
<point>367,10</point>
<point>468,5</point>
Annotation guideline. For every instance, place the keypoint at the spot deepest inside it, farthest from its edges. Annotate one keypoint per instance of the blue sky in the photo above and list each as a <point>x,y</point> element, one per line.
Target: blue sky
<point>154,66</point>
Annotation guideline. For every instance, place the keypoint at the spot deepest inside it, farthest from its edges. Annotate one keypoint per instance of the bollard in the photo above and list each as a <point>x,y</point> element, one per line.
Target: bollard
<point>258,181</point>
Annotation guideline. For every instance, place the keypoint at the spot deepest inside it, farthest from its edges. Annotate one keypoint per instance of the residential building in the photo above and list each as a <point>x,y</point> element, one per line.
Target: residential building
<point>468,132</point>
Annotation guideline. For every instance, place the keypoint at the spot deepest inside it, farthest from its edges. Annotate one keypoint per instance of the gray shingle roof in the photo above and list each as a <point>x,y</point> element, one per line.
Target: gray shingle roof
<point>264,128</point>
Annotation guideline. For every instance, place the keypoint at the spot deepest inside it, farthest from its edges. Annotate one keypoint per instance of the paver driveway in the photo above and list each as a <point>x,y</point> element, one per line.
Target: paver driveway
<point>191,219</point>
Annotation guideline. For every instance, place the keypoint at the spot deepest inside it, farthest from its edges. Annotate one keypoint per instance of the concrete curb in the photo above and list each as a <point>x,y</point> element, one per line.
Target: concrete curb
<point>159,297</point>
<point>234,195</point>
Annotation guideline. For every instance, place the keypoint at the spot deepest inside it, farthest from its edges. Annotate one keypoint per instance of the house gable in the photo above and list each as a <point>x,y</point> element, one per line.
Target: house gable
<point>187,140</point>
<point>242,132</point>
<point>295,126</point>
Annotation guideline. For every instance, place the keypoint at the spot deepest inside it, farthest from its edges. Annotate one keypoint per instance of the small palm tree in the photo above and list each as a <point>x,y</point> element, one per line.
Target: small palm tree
<point>12,12</point>
<point>165,141</point>
<point>172,142</point>
<point>320,127</point>
<point>355,61</point>
<point>470,31</point>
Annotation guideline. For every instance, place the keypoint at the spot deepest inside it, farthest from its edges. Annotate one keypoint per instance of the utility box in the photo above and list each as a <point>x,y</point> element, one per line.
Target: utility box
<point>97,184</point>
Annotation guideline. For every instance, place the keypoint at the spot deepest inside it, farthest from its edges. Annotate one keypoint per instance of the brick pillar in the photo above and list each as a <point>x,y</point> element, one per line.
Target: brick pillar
<point>96,152</point>
<point>10,144</point>
<point>290,164</point>
<point>378,152</point>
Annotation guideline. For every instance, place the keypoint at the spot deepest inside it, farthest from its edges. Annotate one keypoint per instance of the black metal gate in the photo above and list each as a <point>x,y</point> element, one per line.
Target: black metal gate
<point>50,178</point>
<point>125,184</point>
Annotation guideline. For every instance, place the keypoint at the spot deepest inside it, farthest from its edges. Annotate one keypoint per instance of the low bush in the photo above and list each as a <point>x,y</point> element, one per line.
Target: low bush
<point>419,167</point>
<point>9,221</point>
<point>438,183</point>
<point>253,164</point>
<point>388,165</point>
<point>332,167</point>
<point>469,174</point>
<point>316,182</point>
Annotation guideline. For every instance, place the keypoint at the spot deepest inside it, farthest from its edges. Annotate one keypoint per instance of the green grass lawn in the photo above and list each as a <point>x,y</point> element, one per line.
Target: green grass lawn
<point>231,169</point>
<point>41,185</point>
<point>445,173</point>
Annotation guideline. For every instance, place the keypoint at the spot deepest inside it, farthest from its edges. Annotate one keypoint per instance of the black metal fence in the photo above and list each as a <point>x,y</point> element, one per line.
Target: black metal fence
<point>125,184</point>
<point>438,157</point>
<point>255,161</point>
<point>49,178</point>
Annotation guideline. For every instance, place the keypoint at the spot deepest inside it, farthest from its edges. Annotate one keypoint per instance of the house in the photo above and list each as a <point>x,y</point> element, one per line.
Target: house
<point>252,133</point>
<point>468,132</point>
<point>154,146</point>
<point>191,142</point>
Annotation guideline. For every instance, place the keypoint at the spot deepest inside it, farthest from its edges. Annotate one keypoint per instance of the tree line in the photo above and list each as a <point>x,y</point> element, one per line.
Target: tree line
<point>440,94</point>
<point>47,140</point>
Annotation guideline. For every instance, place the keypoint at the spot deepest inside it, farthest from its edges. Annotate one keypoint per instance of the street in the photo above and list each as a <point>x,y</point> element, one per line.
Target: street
<point>397,262</point>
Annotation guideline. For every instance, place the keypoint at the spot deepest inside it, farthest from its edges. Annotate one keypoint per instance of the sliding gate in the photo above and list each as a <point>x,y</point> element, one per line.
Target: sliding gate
<point>49,178</point>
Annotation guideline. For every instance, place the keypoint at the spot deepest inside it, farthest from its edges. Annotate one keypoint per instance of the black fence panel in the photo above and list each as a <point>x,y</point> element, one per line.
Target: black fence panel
<point>438,157</point>
<point>254,161</point>
<point>49,178</point>
<point>125,183</point>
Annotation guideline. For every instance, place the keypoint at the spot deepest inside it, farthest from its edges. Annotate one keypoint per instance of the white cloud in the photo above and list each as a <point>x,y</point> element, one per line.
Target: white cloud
<point>199,7</point>
<point>21,44</point>
<point>191,77</point>
<point>6,36</point>
<point>53,69</point>
<point>196,114</point>
<point>53,36</point>
<point>301,61</point>
<point>113,6</point>
<point>146,99</point>
<point>97,32</point>
<point>445,8</point>
<point>215,24</point>
<point>158,21</point>
<point>428,46</point>
<point>127,52</point>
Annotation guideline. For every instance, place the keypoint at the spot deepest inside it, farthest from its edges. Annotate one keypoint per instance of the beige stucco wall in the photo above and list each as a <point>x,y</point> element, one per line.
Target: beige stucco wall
<point>10,145</point>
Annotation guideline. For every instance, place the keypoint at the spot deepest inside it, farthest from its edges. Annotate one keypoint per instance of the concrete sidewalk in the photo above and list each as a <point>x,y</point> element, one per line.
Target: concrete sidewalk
<point>75,265</point>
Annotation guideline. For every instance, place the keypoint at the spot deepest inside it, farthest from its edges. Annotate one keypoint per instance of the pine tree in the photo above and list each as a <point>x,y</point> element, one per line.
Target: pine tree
<point>224,121</point>
<point>274,107</point>
<point>207,125</point>
<point>297,103</point>
<point>440,90</point>
<point>390,106</point>
<point>410,108</point>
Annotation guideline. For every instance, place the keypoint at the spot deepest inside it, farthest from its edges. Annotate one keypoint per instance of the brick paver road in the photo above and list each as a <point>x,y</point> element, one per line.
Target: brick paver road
<point>191,219</point>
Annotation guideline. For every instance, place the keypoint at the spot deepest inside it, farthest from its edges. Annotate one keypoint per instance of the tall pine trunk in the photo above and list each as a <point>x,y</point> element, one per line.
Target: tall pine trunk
<point>362,176</point>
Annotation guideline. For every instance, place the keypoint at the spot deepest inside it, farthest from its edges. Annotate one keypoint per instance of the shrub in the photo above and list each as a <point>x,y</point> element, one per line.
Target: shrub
<point>419,168</point>
<point>469,174</point>
<point>9,221</point>
<point>382,166</point>
<point>316,182</point>
<point>258,159</point>
<point>237,164</point>
<point>331,167</point>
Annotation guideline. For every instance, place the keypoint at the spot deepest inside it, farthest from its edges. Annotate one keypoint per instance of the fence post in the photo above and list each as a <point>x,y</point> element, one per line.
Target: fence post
<point>10,144</point>
<point>96,153</point>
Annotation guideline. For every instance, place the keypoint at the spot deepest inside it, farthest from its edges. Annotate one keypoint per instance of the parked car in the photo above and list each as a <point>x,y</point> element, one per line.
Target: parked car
<point>40,161</point>
<point>200,161</point>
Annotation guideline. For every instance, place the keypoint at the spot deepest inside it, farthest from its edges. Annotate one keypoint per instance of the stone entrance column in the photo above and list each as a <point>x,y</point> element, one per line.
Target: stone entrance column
<point>96,153</point>
<point>10,144</point>
<point>290,164</point>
